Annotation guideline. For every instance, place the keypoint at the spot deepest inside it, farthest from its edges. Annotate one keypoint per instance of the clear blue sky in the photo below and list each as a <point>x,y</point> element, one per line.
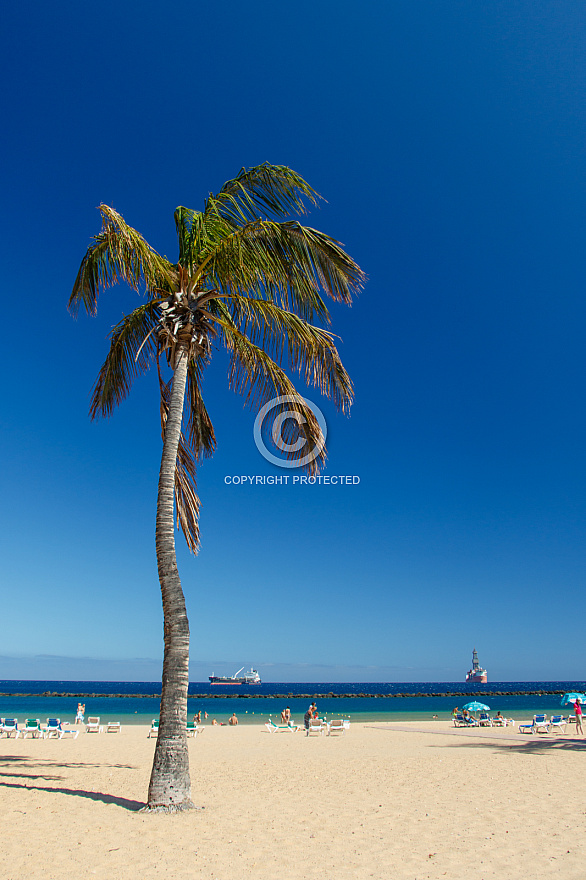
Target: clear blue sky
<point>448,139</point>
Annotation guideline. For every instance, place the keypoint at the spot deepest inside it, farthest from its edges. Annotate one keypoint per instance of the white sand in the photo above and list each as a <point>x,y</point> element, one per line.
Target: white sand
<point>383,801</point>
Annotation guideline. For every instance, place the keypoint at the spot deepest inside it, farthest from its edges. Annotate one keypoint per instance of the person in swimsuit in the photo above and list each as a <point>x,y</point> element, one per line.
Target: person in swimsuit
<point>286,715</point>
<point>578,714</point>
<point>80,713</point>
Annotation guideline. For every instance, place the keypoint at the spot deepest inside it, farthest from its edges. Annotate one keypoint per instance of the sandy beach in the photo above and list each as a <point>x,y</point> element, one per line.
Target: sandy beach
<point>419,801</point>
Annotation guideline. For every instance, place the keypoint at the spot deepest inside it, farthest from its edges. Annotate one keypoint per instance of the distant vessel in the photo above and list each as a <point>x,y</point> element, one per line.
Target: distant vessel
<point>251,677</point>
<point>477,673</point>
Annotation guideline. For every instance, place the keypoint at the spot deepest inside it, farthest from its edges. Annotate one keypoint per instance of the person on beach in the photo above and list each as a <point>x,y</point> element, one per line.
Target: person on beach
<point>578,714</point>
<point>286,715</point>
<point>197,718</point>
<point>80,713</point>
<point>310,715</point>
<point>233,719</point>
<point>455,712</point>
<point>214,722</point>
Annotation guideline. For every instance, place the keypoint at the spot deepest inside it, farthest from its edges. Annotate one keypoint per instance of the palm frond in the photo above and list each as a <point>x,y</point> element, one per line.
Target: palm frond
<point>119,253</point>
<point>283,262</point>
<point>199,234</point>
<point>253,373</point>
<point>273,190</point>
<point>310,350</point>
<point>133,346</point>
<point>201,436</point>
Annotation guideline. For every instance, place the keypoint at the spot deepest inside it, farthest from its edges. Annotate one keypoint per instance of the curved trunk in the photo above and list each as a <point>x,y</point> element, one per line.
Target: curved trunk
<point>170,785</point>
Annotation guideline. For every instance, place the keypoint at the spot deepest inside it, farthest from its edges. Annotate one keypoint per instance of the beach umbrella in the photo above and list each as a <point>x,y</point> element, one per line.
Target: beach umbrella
<point>571,698</point>
<point>475,706</point>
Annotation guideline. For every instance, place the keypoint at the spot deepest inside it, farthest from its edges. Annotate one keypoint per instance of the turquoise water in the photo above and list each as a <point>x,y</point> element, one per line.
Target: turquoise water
<point>131,710</point>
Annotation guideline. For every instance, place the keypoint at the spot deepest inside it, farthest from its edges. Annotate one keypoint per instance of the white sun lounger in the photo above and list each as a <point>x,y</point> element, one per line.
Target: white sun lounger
<point>67,730</point>
<point>53,729</point>
<point>275,728</point>
<point>32,727</point>
<point>10,727</point>
<point>315,727</point>
<point>336,726</point>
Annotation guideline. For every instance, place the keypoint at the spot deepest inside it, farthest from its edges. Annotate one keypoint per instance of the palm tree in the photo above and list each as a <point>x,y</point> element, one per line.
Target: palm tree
<point>249,282</point>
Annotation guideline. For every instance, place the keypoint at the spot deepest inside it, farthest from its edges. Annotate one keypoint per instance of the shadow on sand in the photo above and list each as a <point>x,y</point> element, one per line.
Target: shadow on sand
<point>125,803</point>
<point>23,762</point>
<point>533,746</point>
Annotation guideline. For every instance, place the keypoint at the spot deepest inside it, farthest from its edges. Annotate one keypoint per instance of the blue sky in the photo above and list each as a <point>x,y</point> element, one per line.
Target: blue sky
<point>448,140</point>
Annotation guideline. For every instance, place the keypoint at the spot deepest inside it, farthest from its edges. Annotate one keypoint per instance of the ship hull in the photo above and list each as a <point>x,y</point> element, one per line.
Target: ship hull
<point>231,681</point>
<point>477,679</point>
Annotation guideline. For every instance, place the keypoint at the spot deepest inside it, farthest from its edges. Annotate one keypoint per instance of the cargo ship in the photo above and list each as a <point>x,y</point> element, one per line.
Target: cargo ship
<point>251,677</point>
<point>477,673</point>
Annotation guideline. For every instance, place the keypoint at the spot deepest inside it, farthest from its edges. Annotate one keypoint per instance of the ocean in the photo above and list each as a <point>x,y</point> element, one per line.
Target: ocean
<point>138,702</point>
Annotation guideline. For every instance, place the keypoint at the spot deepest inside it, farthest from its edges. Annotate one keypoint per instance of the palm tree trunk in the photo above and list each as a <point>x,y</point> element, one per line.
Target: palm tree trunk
<point>170,785</point>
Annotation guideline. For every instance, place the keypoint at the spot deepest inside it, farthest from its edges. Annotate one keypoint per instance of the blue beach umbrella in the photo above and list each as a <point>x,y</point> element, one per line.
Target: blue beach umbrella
<point>571,698</point>
<point>475,706</point>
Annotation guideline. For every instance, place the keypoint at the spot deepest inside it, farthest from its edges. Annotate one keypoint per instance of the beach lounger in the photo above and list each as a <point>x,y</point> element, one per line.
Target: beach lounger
<point>10,727</point>
<point>501,721</point>
<point>67,730</point>
<point>93,724</point>
<point>154,727</point>
<point>558,722</point>
<point>315,727</point>
<point>336,726</point>
<point>460,721</point>
<point>275,728</point>
<point>32,727</point>
<point>540,724</point>
<point>113,727</point>
<point>53,729</point>
<point>191,729</point>
<point>484,720</point>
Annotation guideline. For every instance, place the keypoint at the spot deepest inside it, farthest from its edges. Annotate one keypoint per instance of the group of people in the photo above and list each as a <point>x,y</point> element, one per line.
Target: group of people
<point>577,713</point>
<point>232,720</point>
